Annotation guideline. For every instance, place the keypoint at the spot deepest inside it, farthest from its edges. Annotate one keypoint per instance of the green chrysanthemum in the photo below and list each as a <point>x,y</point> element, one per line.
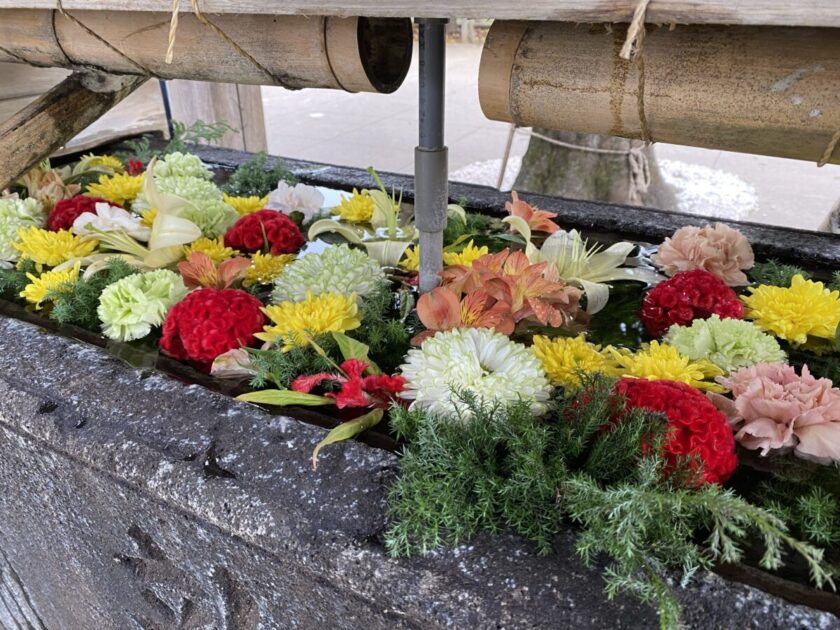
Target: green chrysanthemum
<point>16,214</point>
<point>212,216</point>
<point>337,269</point>
<point>182,165</point>
<point>129,308</point>
<point>728,343</point>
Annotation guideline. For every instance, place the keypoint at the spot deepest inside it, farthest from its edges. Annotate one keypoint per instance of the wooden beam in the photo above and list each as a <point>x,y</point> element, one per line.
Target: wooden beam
<point>240,106</point>
<point>756,12</point>
<point>764,90</point>
<point>48,123</point>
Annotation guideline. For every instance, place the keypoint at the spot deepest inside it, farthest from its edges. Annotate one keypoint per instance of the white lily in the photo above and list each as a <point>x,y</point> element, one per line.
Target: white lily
<point>589,268</point>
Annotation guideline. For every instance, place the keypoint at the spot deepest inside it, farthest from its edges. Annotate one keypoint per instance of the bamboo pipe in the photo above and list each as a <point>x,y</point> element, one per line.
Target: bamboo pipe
<point>353,54</point>
<point>765,90</point>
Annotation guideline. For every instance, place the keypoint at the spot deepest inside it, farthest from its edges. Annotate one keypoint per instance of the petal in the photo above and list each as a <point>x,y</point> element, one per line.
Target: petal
<point>439,309</point>
<point>819,442</point>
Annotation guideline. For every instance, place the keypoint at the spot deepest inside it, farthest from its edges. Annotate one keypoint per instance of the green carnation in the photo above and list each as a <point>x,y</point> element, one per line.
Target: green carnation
<point>16,214</point>
<point>211,214</point>
<point>728,343</point>
<point>182,165</point>
<point>337,269</point>
<point>130,307</point>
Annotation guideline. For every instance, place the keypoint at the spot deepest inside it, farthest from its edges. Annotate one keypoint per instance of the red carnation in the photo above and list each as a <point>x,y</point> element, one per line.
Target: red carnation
<point>696,427</point>
<point>264,228</point>
<point>66,211</point>
<point>377,390</point>
<point>689,295</point>
<point>209,322</point>
<point>134,167</point>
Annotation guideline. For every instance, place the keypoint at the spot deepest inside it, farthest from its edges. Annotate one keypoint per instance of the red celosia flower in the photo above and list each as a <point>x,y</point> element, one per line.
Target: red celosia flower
<point>696,429</point>
<point>66,211</point>
<point>377,390</point>
<point>134,167</point>
<point>689,295</point>
<point>209,322</point>
<point>265,229</point>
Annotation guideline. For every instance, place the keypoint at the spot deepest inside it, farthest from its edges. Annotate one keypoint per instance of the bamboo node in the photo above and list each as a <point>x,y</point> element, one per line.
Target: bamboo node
<point>829,150</point>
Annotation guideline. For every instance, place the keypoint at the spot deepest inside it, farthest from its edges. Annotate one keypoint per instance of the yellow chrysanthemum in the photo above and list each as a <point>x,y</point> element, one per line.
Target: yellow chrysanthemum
<point>265,268</point>
<point>466,256</point>
<point>245,205</point>
<point>659,361</point>
<point>48,282</point>
<point>45,247</point>
<point>107,161</point>
<point>148,217</point>
<point>213,247</point>
<point>564,359</point>
<point>356,209</point>
<point>119,188</point>
<point>804,309</point>
<point>295,323</point>
<point>411,262</point>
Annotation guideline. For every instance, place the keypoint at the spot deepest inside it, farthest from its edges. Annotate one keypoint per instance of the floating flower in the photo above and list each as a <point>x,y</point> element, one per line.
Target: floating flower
<point>658,361</point>
<point>728,343</point>
<point>47,283</point>
<point>199,270</point>
<point>355,390</point>
<point>466,256</point>
<point>179,164</point>
<point>338,269</point>
<point>265,230</point>
<point>357,208</point>
<point>688,296</point>
<point>775,408</point>
<point>66,211</point>
<point>536,220</point>
<point>108,163</point>
<point>696,430</point>
<point>210,322</point>
<point>411,259</point>
<point>245,205</point>
<point>120,188</point>
<point>212,216</point>
<point>44,247</point>
<point>265,268</point>
<point>565,359</point>
<point>17,214</point>
<point>477,360</point>
<point>441,309</point>
<point>307,200</point>
<point>147,217</point>
<point>108,218</point>
<point>134,167</point>
<point>295,323</point>
<point>804,309</point>
<point>129,308</point>
<point>214,248</point>
<point>719,249</point>
<point>47,185</point>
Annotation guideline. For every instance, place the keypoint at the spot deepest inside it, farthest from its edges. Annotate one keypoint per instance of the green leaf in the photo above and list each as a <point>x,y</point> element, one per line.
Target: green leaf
<point>353,349</point>
<point>284,398</point>
<point>346,431</point>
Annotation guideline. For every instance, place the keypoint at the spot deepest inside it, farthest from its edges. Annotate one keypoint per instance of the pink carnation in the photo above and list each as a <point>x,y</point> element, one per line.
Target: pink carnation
<point>718,249</point>
<point>774,408</point>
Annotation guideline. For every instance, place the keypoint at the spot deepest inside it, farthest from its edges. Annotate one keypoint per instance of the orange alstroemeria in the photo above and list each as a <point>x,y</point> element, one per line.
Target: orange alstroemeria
<point>441,309</point>
<point>537,220</point>
<point>199,270</point>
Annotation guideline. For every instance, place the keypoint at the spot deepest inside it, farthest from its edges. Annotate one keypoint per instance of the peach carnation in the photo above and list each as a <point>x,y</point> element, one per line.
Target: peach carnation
<point>719,249</point>
<point>775,408</point>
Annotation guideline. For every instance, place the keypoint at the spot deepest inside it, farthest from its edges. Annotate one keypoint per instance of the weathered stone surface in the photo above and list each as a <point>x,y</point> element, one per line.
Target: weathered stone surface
<point>109,519</point>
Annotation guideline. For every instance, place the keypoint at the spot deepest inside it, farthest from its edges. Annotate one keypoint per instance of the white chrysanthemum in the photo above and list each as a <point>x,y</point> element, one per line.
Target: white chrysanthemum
<point>479,360</point>
<point>337,269</point>
<point>307,200</point>
<point>108,218</point>
<point>182,165</point>
<point>16,214</point>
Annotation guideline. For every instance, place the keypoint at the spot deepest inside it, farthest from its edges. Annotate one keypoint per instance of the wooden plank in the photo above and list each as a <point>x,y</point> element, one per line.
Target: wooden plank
<point>240,106</point>
<point>48,123</point>
<point>769,12</point>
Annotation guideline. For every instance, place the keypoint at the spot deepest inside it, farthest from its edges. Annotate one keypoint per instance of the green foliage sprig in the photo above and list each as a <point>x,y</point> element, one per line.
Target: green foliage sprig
<point>278,368</point>
<point>382,329</point>
<point>255,178</point>
<point>77,303</point>
<point>504,469</point>
<point>199,132</point>
<point>14,280</point>
<point>775,273</point>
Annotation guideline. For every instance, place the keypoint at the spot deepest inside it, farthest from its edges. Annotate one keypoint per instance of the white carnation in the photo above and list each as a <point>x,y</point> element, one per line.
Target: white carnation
<point>307,200</point>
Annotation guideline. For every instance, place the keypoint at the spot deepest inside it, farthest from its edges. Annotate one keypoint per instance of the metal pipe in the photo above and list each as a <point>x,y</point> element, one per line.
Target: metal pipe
<point>431,173</point>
